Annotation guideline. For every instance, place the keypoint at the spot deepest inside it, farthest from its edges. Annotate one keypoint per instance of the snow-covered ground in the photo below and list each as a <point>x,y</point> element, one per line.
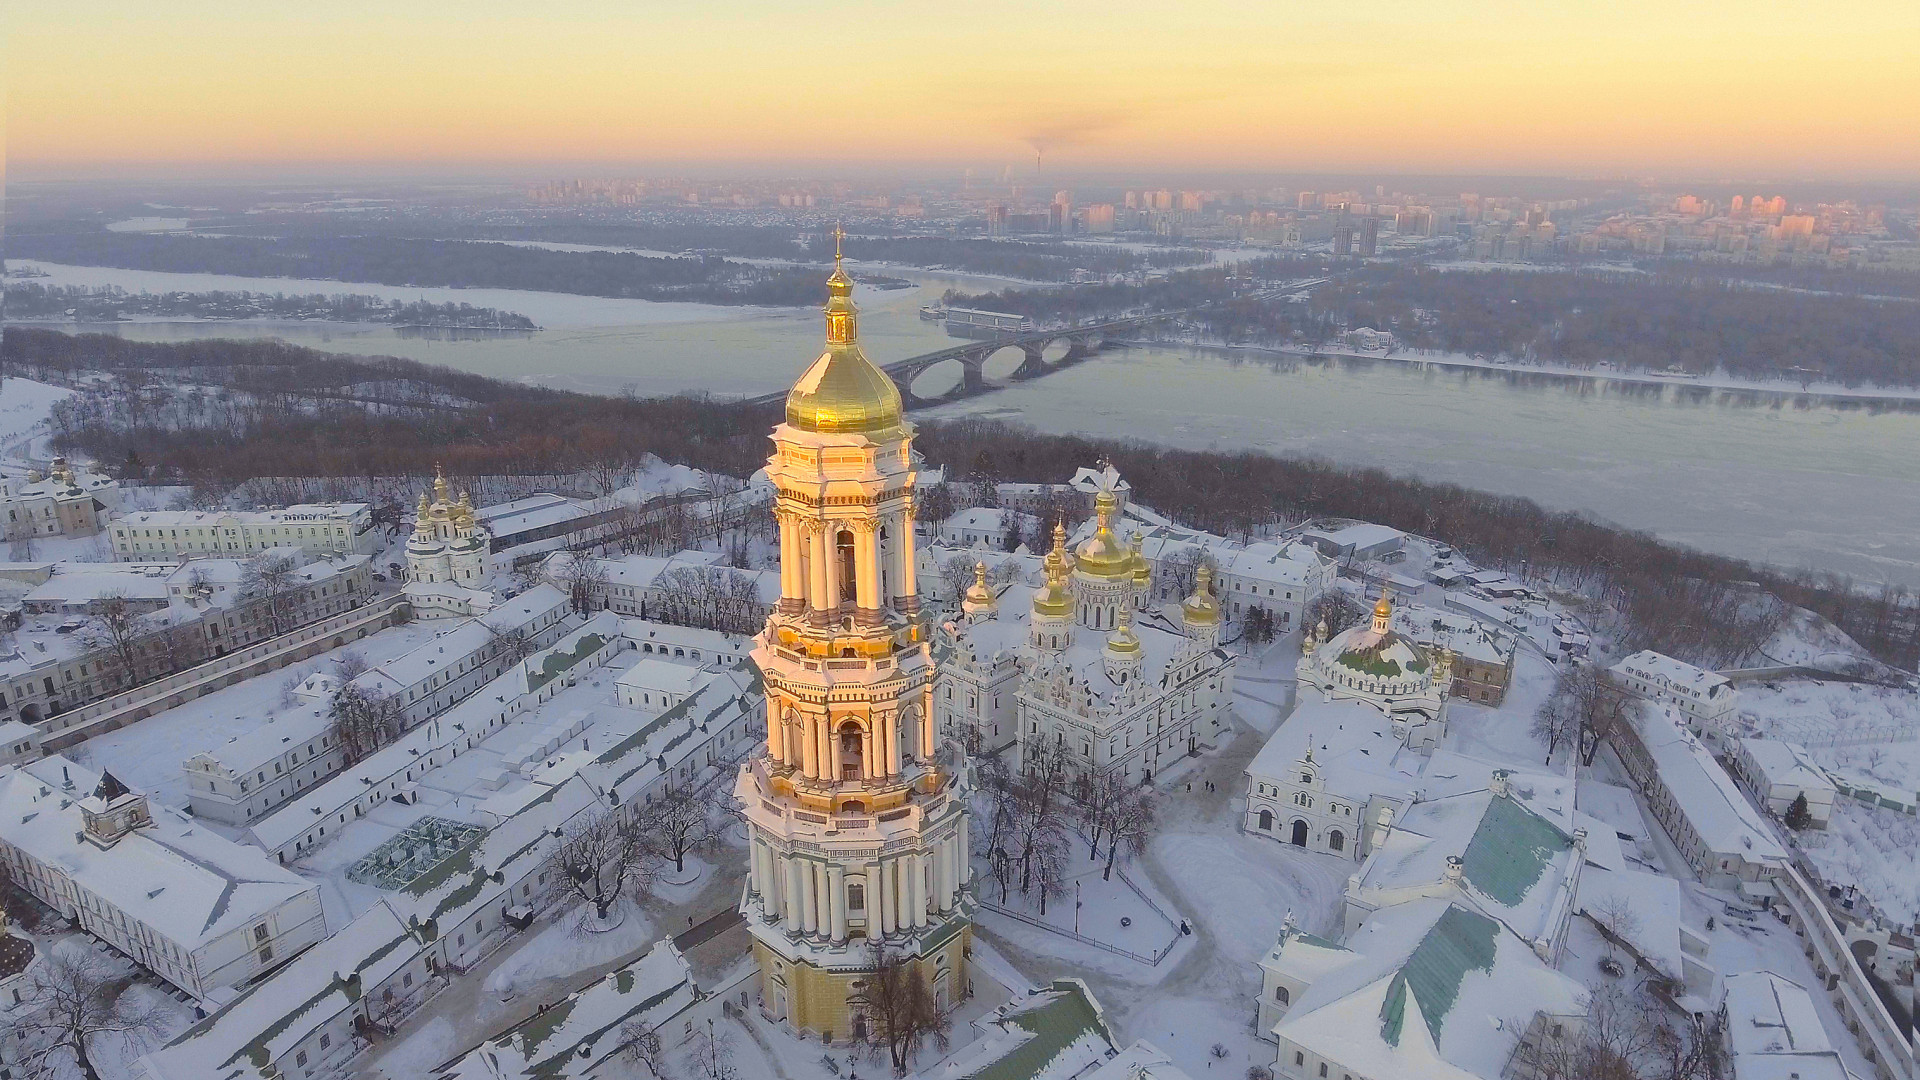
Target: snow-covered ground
<point>25,406</point>
<point>1851,727</point>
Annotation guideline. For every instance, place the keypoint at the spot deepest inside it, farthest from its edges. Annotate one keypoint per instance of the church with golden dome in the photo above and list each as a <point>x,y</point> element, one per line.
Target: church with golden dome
<point>1085,660</point>
<point>1374,663</point>
<point>449,556</point>
<point>856,822</point>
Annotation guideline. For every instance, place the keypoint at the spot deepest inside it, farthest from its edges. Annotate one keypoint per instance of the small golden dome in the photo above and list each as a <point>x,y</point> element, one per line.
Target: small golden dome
<point>1384,608</point>
<point>1123,641</point>
<point>1102,555</point>
<point>980,594</point>
<point>1201,609</point>
<point>1053,599</point>
<point>843,391</point>
<point>1142,570</point>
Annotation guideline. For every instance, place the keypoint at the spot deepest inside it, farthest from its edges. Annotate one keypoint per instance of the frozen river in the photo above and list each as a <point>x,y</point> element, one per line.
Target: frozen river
<point>1793,480</point>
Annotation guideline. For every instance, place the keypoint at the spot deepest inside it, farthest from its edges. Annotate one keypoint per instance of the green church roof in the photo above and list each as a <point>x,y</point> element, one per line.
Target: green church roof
<point>1458,942</point>
<point>1510,850</point>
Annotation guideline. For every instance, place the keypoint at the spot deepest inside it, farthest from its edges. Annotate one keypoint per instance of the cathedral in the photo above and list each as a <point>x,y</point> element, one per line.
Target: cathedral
<point>449,556</point>
<point>1087,661</point>
<point>856,823</point>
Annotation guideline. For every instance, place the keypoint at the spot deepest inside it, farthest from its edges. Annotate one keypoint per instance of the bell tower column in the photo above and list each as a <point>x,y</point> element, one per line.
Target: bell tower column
<point>817,559</point>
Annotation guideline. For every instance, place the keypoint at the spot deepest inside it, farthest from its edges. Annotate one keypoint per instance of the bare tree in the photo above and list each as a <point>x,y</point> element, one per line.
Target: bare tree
<point>585,580</point>
<point>1617,920</point>
<point>957,573</point>
<point>1557,723</point>
<point>115,632</point>
<point>20,541</point>
<point>1177,574</point>
<point>272,580</point>
<point>896,1000</point>
<point>598,858</point>
<point>75,998</point>
<point>1131,826</point>
<point>682,820</point>
<point>1598,704</point>
<point>1097,794</point>
<point>364,719</point>
<point>642,1047</point>
<point>713,1053</point>
<point>511,642</point>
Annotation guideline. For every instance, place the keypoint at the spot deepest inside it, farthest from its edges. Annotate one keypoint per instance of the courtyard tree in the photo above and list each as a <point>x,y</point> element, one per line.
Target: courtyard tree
<point>585,580</point>
<point>116,632</point>
<point>76,998</point>
<point>598,859</point>
<point>272,580</point>
<point>1131,826</point>
<point>363,719</point>
<point>683,820</point>
<point>899,1006</point>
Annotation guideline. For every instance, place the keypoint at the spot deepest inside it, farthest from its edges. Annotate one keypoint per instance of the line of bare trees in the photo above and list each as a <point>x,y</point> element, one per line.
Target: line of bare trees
<point>1703,608</point>
<point>1030,817</point>
<point>1626,1033</point>
<point>604,854</point>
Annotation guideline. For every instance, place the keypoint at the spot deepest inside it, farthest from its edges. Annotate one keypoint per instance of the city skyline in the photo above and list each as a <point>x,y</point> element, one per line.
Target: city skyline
<point>106,88</point>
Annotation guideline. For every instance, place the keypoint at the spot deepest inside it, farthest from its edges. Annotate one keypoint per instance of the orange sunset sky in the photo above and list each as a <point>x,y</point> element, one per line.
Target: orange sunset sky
<point>1706,88</point>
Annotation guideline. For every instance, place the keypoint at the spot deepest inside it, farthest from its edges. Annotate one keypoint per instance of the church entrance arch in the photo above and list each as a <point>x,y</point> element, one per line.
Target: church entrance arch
<point>1299,834</point>
<point>1266,821</point>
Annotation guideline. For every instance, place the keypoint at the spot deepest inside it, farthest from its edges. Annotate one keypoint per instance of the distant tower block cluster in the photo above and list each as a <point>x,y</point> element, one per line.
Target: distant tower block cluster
<point>858,835</point>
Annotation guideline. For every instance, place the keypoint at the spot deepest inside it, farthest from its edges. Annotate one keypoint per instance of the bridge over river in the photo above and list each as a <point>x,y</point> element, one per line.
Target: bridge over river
<point>1082,342</point>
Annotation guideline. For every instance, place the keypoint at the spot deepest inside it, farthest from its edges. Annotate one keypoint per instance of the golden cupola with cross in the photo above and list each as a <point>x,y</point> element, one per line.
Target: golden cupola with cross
<point>857,831</point>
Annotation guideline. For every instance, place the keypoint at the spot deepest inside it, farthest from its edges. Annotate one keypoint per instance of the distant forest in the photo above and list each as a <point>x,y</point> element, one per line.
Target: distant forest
<point>31,300</point>
<point>1677,317</point>
<point>1701,607</point>
<point>429,263</point>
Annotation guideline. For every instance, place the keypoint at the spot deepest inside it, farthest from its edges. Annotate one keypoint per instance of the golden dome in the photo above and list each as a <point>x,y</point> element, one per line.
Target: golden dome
<point>1053,599</point>
<point>980,595</point>
<point>1201,608</point>
<point>1142,570</point>
<point>843,391</point>
<point>1123,641</point>
<point>1384,608</point>
<point>1102,555</point>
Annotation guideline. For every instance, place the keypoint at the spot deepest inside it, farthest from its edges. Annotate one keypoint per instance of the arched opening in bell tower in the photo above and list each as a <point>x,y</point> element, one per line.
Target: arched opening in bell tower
<point>843,551</point>
<point>852,757</point>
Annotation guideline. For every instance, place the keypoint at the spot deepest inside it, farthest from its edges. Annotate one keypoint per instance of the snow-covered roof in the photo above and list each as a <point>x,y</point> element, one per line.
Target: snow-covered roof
<point>1655,903</point>
<point>1359,535</point>
<point>1434,991</point>
<point>711,644</point>
<point>1774,1030</point>
<point>177,876</point>
<point>82,583</point>
<point>1675,675</point>
<point>1051,1034</point>
<point>1353,745</point>
<point>1514,864</point>
<point>1720,812</point>
<point>1141,1061</point>
<point>292,515</point>
<point>572,1037</point>
<point>273,1017</point>
<point>266,743</point>
<point>664,675</point>
<point>1786,763</point>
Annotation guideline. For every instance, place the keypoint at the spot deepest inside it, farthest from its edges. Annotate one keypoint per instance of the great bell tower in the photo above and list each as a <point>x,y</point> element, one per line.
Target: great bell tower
<point>858,837</point>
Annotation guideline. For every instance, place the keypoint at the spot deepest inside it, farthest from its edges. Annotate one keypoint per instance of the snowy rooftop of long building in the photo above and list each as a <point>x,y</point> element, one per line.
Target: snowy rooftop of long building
<point>1677,675</point>
<point>275,1016</point>
<point>300,512</point>
<point>1051,1034</point>
<point>1513,862</point>
<point>1720,812</point>
<point>176,876</point>
<point>1775,1031</point>
<point>1786,763</point>
<point>575,1035</point>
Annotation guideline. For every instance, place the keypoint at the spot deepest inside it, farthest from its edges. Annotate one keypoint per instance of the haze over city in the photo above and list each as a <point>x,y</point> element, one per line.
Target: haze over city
<point>1720,89</point>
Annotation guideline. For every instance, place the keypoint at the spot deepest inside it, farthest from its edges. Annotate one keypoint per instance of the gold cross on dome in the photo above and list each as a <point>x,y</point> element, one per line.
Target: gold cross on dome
<point>839,234</point>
